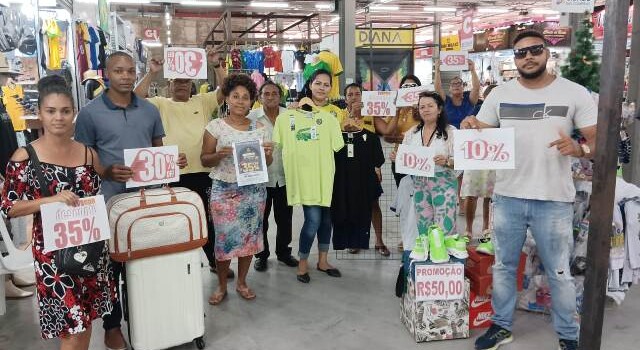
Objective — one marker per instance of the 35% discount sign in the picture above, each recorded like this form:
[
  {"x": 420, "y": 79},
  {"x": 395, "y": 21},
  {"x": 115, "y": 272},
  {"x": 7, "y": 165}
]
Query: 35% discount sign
[
  {"x": 488, "y": 149},
  {"x": 439, "y": 282},
  {"x": 64, "y": 226},
  {"x": 152, "y": 166},
  {"x": 379, "y": 103},
  {"x": 415, "y": 160},
  {"x": 185, "y": 63}
]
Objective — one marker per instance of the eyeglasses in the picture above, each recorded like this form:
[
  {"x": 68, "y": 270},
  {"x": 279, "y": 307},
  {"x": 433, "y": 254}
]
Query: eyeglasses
[
  {"x": 408, "y": 85},
  {"x": 536, "y": 50}
]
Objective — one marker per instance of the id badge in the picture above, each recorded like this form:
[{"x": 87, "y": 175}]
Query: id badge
[
  {"x": 292, "y": 123},
  {"x": 350, "y": 150},
  {"x": 314, "y": 133}
]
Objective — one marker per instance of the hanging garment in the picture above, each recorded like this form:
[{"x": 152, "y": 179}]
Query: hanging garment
[
  {"x": 336, "y": 69},
  {"x": 355, "y": 188},
  {"x": 53, "y": 37},
  {"x": 94, "y": 47},
  {"x": 8, "y": 140},
  {"x": 10, "y": 95},
  {"x": 82, "y": 58}
]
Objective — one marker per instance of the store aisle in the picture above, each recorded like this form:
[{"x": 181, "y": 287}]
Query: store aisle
[{"x": 357, "y": 311}]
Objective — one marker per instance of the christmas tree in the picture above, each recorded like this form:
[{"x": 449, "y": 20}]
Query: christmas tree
[{"x": 583, "y": 67}]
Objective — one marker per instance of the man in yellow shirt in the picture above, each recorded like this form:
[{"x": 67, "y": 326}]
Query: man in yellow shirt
[{"x": 184, "y": 118}]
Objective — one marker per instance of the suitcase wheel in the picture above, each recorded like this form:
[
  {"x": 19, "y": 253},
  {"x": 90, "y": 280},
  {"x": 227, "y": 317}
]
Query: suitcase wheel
[{"x": 199, "y": 343}]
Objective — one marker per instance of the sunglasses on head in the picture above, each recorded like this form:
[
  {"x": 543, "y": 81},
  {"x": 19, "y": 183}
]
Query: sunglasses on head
[
  {"x": 408, "y": 85},
  {"x": 536, "y": 50}
]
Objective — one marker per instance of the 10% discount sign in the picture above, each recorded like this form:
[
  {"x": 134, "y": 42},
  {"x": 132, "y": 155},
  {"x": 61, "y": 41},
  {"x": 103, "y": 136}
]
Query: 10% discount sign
[
  {"x": 64, "y": 226},
  {"x": 152, "y": 166},
  {"x": 488, "y": 149},
  {"x": 415, "y": 160},
  {"x": 439, "y": 282}
]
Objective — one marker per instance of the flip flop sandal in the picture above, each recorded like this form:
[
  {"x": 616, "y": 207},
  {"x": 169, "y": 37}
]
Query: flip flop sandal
[
  {"x": 217, "y": 298},
  {"x": 383, "y": 250},
  {"x": 246, "y": 294}
]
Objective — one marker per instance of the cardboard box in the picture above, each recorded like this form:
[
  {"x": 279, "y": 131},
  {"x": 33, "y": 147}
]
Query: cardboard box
[
  {"x": 481, "y": 264},
  {"x": 435, "y": 320},
  {"x": 483, "y": 284},
  {"x": 480, "y": 311}
]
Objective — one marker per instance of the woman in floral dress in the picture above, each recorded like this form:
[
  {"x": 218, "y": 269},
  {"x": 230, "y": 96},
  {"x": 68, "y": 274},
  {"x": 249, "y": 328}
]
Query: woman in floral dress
[
  {"x": 237, "y": 211},
  {"x": 68, "y": 304}
]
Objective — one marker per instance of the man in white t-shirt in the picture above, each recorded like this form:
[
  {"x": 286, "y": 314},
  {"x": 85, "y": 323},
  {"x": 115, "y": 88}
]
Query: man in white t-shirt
[{"x": 539, "y": 193}]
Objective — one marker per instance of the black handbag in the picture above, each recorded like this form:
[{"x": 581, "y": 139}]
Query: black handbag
[{"x": 81, "y": 260}]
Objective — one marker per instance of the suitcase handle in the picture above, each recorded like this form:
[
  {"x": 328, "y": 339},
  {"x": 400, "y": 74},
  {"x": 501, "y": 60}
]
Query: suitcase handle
[{"x": 143, "y": 196}]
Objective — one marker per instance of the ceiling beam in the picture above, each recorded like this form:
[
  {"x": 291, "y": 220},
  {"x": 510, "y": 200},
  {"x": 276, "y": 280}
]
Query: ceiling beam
[{"x": 249, "y": 30}]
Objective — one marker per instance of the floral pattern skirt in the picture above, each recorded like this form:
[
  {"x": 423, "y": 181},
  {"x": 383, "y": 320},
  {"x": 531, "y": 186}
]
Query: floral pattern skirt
[
  {"x": 436, "y": 201},
  {"x": 478, "y": 183},
  {"x": 237, "y": 218}
]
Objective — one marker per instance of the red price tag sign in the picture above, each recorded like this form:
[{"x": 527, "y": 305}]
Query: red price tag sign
[
  {"x": 439, "y": 282},
  {"x": 453, "y": 61},
  {"x": 408, "y": 97},
  {"x": 64, "y": 226},
  {"x": 415, "y": 160},
  {"x": 378, "y": 103},
  {"x": 488, "y": 149},
  {"x": 152, "y": 166},
  {"x": 185, "y": 63}
]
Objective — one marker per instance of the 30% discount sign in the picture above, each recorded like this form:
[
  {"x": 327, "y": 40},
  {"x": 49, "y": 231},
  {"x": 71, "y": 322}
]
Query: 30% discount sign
[
  {"x": 439, "y": 282},
  {"x": 64, "y": 226},
  {"x": 152, "y": 166},
  {"x": 378, "y": 103},
  {"x": 488, "y": 149},
  {"x": 185, "y": 63},
  {"x": 415, "y": 160}
]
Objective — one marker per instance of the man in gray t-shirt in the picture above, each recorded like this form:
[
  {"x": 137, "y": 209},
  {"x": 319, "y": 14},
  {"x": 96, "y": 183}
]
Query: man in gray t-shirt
[
  {"x": 538, "y": 194},
  {"x": 111, "y": 123}
]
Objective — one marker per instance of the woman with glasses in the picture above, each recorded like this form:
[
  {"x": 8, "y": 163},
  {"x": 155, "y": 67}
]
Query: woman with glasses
[{"x": 458, "y": 104}]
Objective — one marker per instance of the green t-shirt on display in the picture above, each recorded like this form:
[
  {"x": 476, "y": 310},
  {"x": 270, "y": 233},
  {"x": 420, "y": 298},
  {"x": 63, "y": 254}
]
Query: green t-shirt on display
[{"x": 308, "y": 141}]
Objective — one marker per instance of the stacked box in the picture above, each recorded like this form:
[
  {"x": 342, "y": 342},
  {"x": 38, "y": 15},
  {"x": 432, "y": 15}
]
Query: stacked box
[
  {"x": 435, "y": 320},
  {"x": 480, "y": 311},
  {"x": 478, "y": 269}
]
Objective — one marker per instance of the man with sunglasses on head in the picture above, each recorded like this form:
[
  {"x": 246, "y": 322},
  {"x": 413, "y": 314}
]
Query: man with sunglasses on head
[
  {"x": 459, "y": 103},
  {"x": 538, "y": 194}
]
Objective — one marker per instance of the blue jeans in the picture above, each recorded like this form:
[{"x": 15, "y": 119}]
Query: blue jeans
[
  {"x": 316, "y": 219},
  {"x": 550, "y": 223}
]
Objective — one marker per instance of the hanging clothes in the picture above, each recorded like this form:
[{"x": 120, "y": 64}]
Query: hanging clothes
[
  {"x": 8, "y": 140},
  {"x": 336, "y": 69},
  {"x": 355, "y": 188},
  {"x": 82, "y": 37},
  {"x": 10, "y": 95},
  {"x": 53, "y": 36}
]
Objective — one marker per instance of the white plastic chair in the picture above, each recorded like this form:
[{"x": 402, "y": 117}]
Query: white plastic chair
[{"x": 14, "y": 261}]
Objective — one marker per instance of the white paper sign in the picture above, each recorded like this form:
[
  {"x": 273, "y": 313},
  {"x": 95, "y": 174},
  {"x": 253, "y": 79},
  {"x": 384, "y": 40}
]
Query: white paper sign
[
  {"x": 486, "y": 149},
  {"x": 65, "y": 226},
  {"x": 415, "y": 160},
  {"x": 573, "y": 6},
  {"x": 185, "y": 63},
  {"x": 379, "y": 103},
  {"x": 408, "y": 97},
  {"x": 250, "y": 162},
  {"x": 439, "y": 282},
  {"x": 152, "y": 165},
  {"x": 453, "y": 61}
]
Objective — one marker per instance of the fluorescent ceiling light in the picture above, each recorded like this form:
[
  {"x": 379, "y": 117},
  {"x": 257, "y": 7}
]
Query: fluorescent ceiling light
[
  {"x": 269, "y": 4},
  {"x": 475, "y": 20},
  {"x": 130, "y": 1},
  {"x": 491, "y": 10},
  {"x": 152, "y": 43},
  {"x": 384, "y": 8},
  {"x": 544, "y": 12},
  {"x": 334, "y": 19},
  {"x": 439, "y": 9},
  {"x": 200, "y": 3},
  {"x": 552, "y": 18},
  {"x": 324, "y": 6}
]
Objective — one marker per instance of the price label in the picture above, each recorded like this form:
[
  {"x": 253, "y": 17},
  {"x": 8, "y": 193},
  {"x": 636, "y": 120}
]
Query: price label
[
  {"x": 250, "y": 162},
  {"x": 185, "y": 63},
  {"x": 379, "y": 103},
  {"x": 65, "y": 226},
  {"x": 453, "y": 61},
  {"x": 415, "y": 160},
  {"x": 489, "y": 149},
  {"x": 439, "y": 282},
  {"x": 152, "y": 166},
  {"x": 408, "y": 97}
]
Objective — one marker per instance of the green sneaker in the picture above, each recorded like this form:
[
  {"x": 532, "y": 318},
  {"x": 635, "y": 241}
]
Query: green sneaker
[
  {"x": 437, "y": 247},
  {"x": 485, "y": 246},
  {"x": 419, "y": 253},
  {"x": 456, "y": 246}
]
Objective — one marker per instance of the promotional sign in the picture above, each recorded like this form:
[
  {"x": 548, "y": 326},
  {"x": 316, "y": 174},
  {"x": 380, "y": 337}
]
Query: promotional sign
[
  {"x": 560, "y": 36},
  {"x": 572, "y": 6},
  {"x": 151, "y": 33},
  {"x": 415, "y": 160},
  {"x": 378, "y": 103},
  {"x": 408, "y": 97},
  {"x": 453, "y": 61},
  {"x": 466, "y": 31},
  {"x": 152, "y": 166},
  {"x": 450, "y": 43},
  {"x": 439, "y": 282},
  {"x": 486, "y": 149},
  {"x": 185, "y": 63},
  {"x": 250, "y": 162},
  {"x": 387, "y": 38},
  {"x": 64, "y": 226},
  {"x": 597, "y": 18},
  {"x": 498, "y": 39}
]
